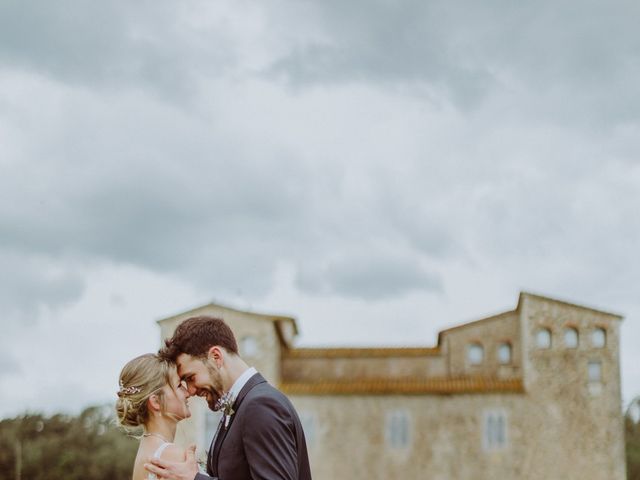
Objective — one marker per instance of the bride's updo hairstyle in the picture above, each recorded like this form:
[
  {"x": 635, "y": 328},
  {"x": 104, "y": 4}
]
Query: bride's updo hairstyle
[{"x": 139, "y": 379}]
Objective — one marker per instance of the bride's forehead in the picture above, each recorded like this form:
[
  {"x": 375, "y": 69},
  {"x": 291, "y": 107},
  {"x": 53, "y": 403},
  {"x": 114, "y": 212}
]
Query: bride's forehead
[{"x": 173, "y": 375}]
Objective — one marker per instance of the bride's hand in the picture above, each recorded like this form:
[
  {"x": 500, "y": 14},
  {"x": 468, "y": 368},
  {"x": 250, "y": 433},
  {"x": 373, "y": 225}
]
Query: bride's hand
[{"x": 186, "y": 470}]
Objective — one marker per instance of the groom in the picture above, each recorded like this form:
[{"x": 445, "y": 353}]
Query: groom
[{"x": 259, "y": 435}]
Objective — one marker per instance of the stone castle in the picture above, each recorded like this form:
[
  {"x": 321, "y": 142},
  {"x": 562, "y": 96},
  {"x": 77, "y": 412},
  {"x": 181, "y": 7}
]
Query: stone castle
[{"x": 531, "y": 393}]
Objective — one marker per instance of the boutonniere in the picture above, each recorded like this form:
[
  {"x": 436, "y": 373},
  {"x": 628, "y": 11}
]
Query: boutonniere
[{"x": 227, "y": 411}]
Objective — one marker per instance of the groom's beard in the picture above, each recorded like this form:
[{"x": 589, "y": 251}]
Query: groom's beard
[
  {"x": 210, "y": 396},
  {"x": 213, "y": 393}
]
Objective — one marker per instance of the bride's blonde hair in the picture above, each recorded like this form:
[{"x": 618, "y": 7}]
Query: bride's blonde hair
[{"x": 141, "y": 378}]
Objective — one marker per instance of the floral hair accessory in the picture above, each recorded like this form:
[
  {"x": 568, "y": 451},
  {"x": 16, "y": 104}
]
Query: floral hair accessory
[{"x": 128, "y": 390}]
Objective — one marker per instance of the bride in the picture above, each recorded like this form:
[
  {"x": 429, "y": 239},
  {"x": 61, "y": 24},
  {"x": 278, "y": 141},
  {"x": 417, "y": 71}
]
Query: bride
[{"x": 151, "y": 395}]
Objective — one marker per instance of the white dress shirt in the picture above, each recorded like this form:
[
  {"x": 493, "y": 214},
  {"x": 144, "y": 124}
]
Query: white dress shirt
[{"x": 241, "y": 382}]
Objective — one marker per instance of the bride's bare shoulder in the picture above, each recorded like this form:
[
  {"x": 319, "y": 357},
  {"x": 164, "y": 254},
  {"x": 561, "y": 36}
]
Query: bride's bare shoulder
[
  {"x": 174, "y": 453},
  {"x": 171, "y": 453},
  {"x": 146, "y": 450}
]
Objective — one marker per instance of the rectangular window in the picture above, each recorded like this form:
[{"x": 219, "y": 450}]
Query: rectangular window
[
  {"x": 595, "y": 371},
  {"x": 398, "y": 432},
  {"x": 494, "y": 433}
]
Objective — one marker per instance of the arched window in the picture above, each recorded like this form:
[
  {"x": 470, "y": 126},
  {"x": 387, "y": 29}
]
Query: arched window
[
  {"x": 571, "y": 337},
  {"x": 504, "y": 353},
  {"x": 475, "y": 354},
  {"x": 543, "y": 338},
  {"x": 599, "y": 337}
]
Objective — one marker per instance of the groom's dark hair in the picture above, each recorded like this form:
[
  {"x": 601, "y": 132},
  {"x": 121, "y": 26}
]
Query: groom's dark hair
[{"x": 196, "y": 335}]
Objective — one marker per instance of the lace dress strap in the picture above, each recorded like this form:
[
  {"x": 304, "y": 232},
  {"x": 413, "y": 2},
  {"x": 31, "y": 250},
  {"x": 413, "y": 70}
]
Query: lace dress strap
[{"x": 157, "y": 454}]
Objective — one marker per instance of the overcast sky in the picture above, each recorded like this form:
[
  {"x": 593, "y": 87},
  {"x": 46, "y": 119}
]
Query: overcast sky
[{"x": 379, "y": 170}]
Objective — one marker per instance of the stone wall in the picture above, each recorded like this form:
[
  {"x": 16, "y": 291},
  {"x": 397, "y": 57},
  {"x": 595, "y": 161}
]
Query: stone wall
[
  {"x": 489, "y": 333},
  {"x": 558, "y": 379},
  {"x": 348, "y": 439},
  {"x": 361, "y": 368}
]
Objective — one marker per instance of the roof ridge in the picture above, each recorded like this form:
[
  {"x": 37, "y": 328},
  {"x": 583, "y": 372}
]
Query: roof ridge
[
  {"x": 268, "y": 316},
  {"x": 564, "y": 302}
]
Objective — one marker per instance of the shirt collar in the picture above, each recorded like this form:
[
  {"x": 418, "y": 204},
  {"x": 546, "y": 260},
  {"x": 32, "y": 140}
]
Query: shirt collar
[{"x": 241, "y": 382}]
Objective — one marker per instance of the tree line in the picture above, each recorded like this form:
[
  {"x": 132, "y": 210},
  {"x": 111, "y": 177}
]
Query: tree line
[
  {"x": 86, "y": 446},
  {"x": 632, "y": 440}
]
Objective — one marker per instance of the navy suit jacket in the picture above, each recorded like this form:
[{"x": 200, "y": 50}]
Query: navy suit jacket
[{"x": 263, "y": 441}]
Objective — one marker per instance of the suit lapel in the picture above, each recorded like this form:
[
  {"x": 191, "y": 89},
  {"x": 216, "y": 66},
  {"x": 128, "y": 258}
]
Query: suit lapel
[
  {"x": 222, "y": 431},
  {"x": 252, "y": 382}
]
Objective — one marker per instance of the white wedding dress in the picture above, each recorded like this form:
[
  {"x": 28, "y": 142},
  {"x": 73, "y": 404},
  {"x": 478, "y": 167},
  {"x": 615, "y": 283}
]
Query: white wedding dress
[{"x": 158, "y": 452}]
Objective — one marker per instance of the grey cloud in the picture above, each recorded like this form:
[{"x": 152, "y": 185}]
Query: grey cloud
[
  {"x": 188, "y": 202},
  {"x": 560, "y": 236},
  {"x": 393, "y": 43},
  {"x": 34, "y": 282},
  {"x": 412, "y": 219},
  {"x": 164, "y": 224},
  {"x": 181, "y": 196},
  {"x": 550, "y": 59},
  {"x": 225, "y": 226},
  {"x": 115, "y": 43},
  {"x": 121, "y": 176},
  {"x": 8, "y": 365},
  {"x": 371, "y": 276}
]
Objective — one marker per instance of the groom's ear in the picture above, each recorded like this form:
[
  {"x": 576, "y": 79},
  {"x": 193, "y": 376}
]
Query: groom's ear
[{"x": 216, "y": 354}]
